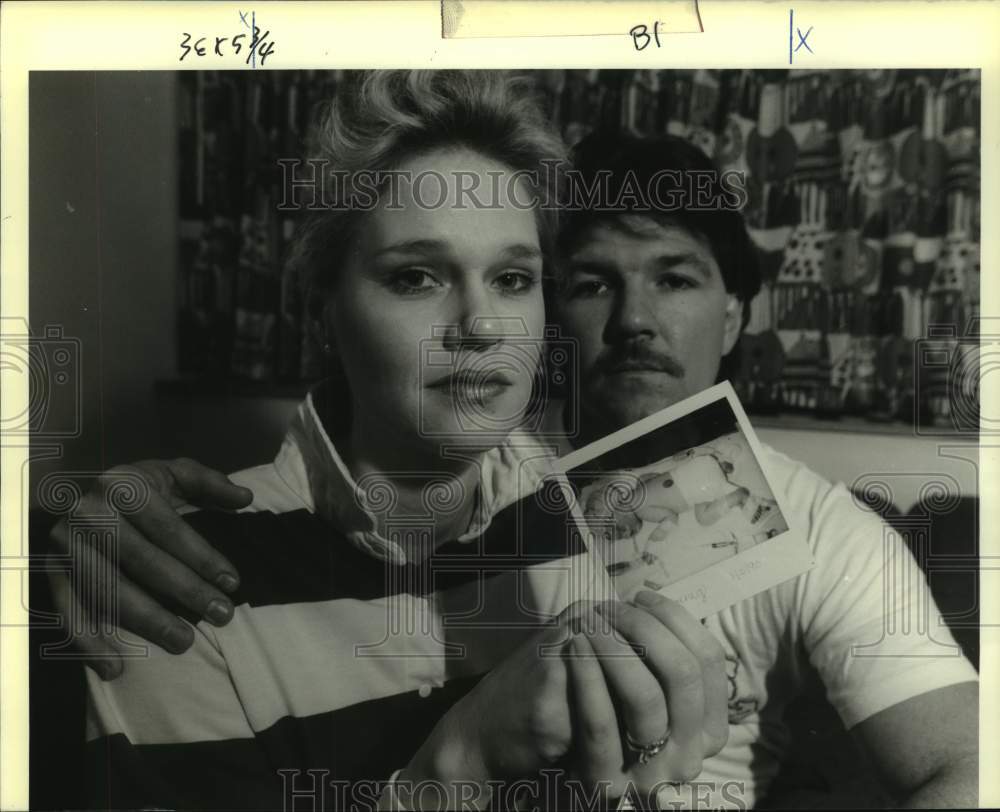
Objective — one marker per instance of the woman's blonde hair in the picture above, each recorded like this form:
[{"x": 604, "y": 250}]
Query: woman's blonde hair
[{"x": 378, "y": 119}]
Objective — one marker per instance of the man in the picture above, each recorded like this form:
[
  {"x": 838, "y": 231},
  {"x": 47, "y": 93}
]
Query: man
[{"x": 656, "y": 301}]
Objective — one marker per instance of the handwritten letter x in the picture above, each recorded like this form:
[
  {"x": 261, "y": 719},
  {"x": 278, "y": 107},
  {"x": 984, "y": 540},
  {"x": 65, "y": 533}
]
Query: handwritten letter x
[{"x": 803, "y": 38}]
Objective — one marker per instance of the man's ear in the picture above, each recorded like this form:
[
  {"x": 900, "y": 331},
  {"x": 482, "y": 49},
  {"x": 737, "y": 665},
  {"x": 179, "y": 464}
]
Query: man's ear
[{"x": 733, "y": 324}]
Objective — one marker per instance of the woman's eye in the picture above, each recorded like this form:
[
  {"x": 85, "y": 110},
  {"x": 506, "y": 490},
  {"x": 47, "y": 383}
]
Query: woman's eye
[
  {"x": 515, "y": 281},
  {"x": 412, "y": 280}
]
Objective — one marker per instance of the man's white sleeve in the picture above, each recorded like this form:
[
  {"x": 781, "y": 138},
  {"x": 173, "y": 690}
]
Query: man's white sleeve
[{"x": 867, "y": 617}]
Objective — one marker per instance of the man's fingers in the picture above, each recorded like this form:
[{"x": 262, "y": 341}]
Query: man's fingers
[
  {"x": 638, "y": 695},
  {"x": 113, "y": 600},
  {"x": 160, "y": 525},
  {"x": 206, "y": 487},
  {"x": 142, "y": 615},
  {"x": 95, "y": 650},
  {"x": 710, "y": 655},
  {"x": 597, "y": 740},
  {"x": 163, "y": 554},
  {"x": 99, "y": 652},
  {"x": 157, "y": 548},
  {"x": 100, "y": 655},
  {"x": 164, "y": 574}
]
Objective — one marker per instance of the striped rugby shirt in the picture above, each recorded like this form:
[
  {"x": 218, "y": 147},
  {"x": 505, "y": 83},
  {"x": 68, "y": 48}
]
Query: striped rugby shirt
[{"x": 341, "y": 655}]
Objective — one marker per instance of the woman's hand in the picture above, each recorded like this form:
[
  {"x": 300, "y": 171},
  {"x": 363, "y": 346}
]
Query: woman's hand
[
  {"x": 662, "y": 677},
  {"x": 572, "y": 694},
  {"x": 159, "y": 556},
  {"x": 515, "y": 722}
]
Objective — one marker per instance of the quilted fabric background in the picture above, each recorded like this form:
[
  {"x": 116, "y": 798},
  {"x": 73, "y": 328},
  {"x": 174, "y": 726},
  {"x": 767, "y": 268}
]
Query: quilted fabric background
[{"x": 862, "y": 198}]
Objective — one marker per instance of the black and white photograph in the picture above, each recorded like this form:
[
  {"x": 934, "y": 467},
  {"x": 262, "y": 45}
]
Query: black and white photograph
[
  {"x": 666, "y": 500},
  {"x": 475, "y": 437}
]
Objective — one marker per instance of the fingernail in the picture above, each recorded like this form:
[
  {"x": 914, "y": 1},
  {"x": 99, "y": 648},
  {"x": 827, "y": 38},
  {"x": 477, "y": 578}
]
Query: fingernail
[
  {"x": 219, "y": 612},
  {"x": 648, "y": 598},
  {"x": 606, "y": 608},
  {"x": 177, "y": 639},
  {"x": 105, "y": 670},
  {"x": 227, "y": 582}
]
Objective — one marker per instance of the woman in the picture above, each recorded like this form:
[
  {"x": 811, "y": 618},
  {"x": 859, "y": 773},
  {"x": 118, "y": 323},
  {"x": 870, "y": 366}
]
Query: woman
[{"x": 339, "y": 666}]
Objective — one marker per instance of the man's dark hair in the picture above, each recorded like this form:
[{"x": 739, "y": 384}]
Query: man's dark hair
[{"x": 616, "y": 163}]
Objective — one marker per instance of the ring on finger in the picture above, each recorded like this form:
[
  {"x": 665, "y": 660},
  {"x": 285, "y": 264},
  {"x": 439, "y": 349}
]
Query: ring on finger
[{"x": 645, "y": 752}]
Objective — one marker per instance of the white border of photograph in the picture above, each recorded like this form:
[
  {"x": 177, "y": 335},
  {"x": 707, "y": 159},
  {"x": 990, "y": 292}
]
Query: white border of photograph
[{"x": 746, "y": 574}]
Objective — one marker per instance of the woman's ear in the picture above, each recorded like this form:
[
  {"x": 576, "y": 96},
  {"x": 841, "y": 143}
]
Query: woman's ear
[
  {"x": 317, "y": 332},
  {"x": 319, "y": 325},
  {"x": 733, "y": 324},
  {"x": 321, "y": 332}
]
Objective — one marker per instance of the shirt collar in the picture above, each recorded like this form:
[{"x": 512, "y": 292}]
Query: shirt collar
[{"x": 310, "y": 463}]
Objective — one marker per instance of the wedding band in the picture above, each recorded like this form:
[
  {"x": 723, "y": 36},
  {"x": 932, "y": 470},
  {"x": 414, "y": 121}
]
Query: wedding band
[{"x": 646, "y": 751}]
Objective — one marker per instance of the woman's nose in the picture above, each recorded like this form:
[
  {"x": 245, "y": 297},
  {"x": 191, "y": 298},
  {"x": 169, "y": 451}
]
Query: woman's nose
[
  {"x": 479, "y": 325},
  {"x": 477, "y": 331}
]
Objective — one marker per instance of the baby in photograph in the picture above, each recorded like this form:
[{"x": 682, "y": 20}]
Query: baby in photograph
[{"x": 657, "y": 524}]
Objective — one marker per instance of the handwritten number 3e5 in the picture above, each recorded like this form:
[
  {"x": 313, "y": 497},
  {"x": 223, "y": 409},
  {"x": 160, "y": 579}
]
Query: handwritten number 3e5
[{"x": 257, "y": 44}]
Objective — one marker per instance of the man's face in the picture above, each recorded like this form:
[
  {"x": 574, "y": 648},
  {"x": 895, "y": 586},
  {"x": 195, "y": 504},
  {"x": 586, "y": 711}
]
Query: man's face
[{"x": 650, "y": 312}]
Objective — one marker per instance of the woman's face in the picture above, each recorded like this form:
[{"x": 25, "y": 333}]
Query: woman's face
[{"x": 437, "y": 314}]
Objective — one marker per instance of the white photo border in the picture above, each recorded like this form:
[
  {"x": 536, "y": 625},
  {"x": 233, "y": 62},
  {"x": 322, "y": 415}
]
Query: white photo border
[{"x": 731, "y": 580}]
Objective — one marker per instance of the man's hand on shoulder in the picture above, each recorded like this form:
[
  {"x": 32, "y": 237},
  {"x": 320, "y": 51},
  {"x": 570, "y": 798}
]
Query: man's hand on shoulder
[{"x": 159, "y": 557}]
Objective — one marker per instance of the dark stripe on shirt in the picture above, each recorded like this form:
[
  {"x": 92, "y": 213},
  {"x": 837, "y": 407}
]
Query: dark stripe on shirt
[
  {"x": 297, "y": 557},
  {"x": 365, "y": 742}
]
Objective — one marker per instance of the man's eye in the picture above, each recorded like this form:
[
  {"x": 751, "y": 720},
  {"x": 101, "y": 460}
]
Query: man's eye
[
  {"x": 515, "y": 281},
  {"x": 412, "y": 280},
  {"x": 676, "y": 282},
  {"x": 585, "y": 288}
]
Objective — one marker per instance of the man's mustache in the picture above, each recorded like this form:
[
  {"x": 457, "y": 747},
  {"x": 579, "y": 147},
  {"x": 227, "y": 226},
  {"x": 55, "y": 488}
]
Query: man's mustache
[{"x": 637, "y": 357}]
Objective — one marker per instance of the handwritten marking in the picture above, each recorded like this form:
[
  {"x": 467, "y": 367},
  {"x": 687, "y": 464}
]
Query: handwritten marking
[
  {"x": 746, "y": 569},
  {"x": 802, "y": 39},
  {"x": 792, "y": 30},
  {"x": 791, "y": 17},
  {"x": 641, "y": 30},
  {"x": 699, "y": 594},
  {"x": 253, "y": 28},
  {"x": 259, "y": 45}
]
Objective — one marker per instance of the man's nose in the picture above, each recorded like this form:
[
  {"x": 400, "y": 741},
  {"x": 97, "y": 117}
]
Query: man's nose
[{"x": 633, "y": 315}]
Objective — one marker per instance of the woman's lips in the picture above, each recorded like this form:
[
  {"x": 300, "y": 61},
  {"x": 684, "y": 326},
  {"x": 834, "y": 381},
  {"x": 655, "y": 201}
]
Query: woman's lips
[{"x": 473, "y": 387}]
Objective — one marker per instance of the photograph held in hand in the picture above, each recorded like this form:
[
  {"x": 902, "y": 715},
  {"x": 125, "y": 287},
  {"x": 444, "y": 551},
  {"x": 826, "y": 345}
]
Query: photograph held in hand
[
  {"x": 678, "y": 503},
  {"x": 516, "y": 541}
]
